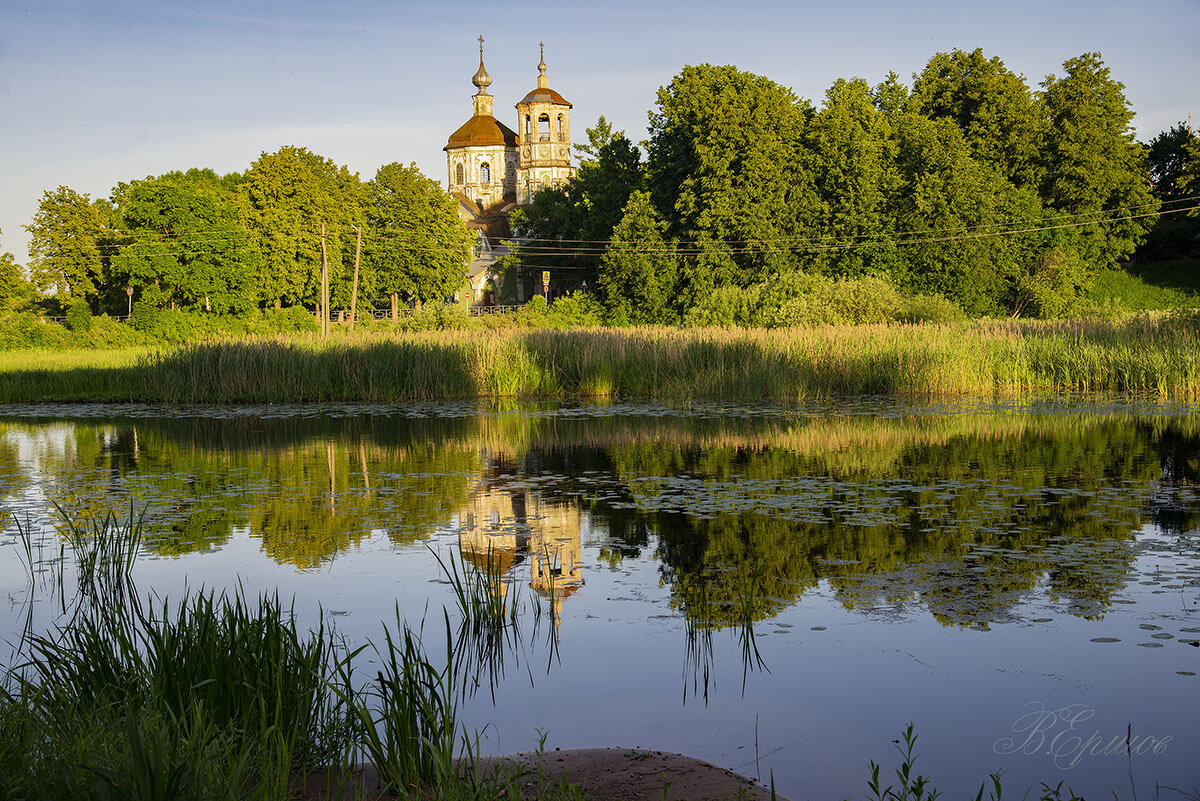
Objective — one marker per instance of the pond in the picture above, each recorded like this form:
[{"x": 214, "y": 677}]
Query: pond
[{"x": 777, "y": 590}]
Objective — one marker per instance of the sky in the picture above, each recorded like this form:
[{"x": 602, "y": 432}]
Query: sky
[{"x": 94, "y": 93}]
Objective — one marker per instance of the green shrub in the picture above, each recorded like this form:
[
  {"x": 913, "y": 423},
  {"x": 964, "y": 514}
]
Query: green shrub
[
  {"x": 576, "y": 309},
  {"x": 931, "y": 309},
  {"x": 79, "y": 316},
  {"x": 725, "y": 306},
  {"x": 293, "y": 319}
]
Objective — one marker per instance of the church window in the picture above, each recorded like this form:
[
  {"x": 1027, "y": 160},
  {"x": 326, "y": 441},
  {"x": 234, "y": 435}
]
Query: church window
[
  {"x": 485, "y": 173},
  {"x": 458, "y": 173},
  {"x": 512, "y": 172},
  {"x": 528, "y": 131},
  {"x": 544, "y": 128},
  {"x": 560, "y": 130}
]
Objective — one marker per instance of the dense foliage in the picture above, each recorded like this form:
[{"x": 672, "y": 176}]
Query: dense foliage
[
  {"x": 968, "y": 186},
  {"x": 198, "y": 241},
  {"x": 966, "y": 192}
]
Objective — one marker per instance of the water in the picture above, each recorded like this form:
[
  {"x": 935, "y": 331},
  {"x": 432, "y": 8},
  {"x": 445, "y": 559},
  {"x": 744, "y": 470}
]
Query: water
[{"x": 775, "y": 590}]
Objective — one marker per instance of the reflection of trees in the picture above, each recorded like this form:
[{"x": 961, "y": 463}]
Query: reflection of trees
[
  {"x": 968, "y": 524},
  {"x": 307, "y": 494},
  {"x": 956, "y": 510}
]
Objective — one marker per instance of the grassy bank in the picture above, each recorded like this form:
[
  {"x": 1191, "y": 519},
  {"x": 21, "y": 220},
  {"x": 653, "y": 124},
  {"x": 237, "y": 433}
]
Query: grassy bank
[
  {"x": 1156, "y": 355},
  {"x": 227, "y": 697}
]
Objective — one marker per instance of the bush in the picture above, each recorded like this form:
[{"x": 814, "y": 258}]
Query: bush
[
  {"x": 931, "y": 309},
  {"x": 79, "y": 316},
  {"x": 725, "y": 306},
  {"x": 293, "y": 319},
  {"x": 576, "y": 309}
]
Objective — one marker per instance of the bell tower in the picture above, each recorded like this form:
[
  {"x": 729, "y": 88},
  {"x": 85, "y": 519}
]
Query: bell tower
[{"x": 544, "y": 138}]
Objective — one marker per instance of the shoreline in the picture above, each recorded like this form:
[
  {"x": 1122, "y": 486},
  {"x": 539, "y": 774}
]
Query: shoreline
[{"x": 602, "y": 774}]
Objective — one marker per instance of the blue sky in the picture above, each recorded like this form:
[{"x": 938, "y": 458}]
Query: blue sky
[{"x": 96, "y": 93}]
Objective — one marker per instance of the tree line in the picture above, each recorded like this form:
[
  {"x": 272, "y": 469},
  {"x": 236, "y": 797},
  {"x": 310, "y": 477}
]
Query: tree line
[
  {"x": 965, "y": 187},
  {"x": 967, "y": 184},
  {"x": 197, "y": 240}
]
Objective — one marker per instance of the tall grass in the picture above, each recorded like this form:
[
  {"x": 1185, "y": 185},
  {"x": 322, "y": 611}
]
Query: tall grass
[
  {"x": 1147, "y": 354},
  {"x": 221, "y": 696}
]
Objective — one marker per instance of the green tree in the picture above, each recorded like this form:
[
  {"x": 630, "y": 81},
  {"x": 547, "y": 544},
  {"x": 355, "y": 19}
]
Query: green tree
[
  {"x": 284, "y": 198},
  {"x": 1092, "y": 163},
  {"x": 598, "y": 136},
  {"x": 566, "y": 226},
  {"x": 414, "y": 245},
  {"x": 638, "y": 271},
  {"x": 854, "y": 166},
  {"x": 891, "y": 96},
  {"x": 952, "y": 210},
  {"x": 66, "y": 238},
  {"x": 1167, "y": 157},
  {"x": 1000, "y": 117},
  {"x": 14, "y": 289},
  {"x": 728, "y": 170},
  {"x": 184, "y": 237}
]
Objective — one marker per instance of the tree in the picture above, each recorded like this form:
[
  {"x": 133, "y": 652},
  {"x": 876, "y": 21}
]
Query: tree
[
  {"x": 1092, "y": 164},
  {"x": 854, "y": 167},
  {"x": 728, "y": 171},
  {"x": 638, "y": 271},
  {"x": 415, "y": 245},
  {"x": 13, "y": 286},
  {"x": 283, "y": 200},
  {"x": 598, "y": 136},
  {"x": 952, "y": 210},
  {"x": 567, "y": 225},
  {"x": 65, "y": 245},
  {"x": 1167, "y": 157},
  {"x": 185, "y": 239},
  {"x": 999, "y": 116}
]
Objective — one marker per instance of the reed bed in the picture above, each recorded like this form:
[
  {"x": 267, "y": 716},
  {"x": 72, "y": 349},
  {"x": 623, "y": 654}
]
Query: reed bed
[{"x": 1159, "y": 356}]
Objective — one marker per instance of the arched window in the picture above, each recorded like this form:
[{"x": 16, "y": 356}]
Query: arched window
[
  {"x": 512, "y": 172},
  {"x": 560, "y": 130},
  {"x": 458, "y": 174},
  {"x": 544, "y": 128},
  {"x": 528, "y": 130},
  {"x": 485, "y": 173}
]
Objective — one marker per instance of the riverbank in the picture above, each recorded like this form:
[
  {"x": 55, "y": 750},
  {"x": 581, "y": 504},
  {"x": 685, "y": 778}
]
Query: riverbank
[
  {"x": 1155, "y": 355},
  {"x": 594, "y": 774}
]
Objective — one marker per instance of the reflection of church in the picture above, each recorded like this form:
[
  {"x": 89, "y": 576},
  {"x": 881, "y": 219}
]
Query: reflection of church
[
  {"x": 514, "y": 525},
  {"x": 492, "y": 169}
]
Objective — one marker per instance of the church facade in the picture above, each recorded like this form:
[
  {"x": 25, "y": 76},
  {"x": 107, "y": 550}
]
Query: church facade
[
  {"x": 490, "y": 164},
  {"x": 492, "y": 169}
]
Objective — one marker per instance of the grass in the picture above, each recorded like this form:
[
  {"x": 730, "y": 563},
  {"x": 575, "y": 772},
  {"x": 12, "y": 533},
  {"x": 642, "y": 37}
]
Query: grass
[
  {"x": 1147, "y": 291},
  {"x": 220, "y": 696},
  {"x": 1159, "y": 355}
]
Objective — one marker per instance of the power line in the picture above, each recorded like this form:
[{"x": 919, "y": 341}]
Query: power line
[{"x": 259, "y": 243}]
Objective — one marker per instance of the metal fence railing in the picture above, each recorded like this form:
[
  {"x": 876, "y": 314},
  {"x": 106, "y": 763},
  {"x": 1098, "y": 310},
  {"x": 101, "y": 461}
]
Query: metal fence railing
[{"x": 340, "y": 315}]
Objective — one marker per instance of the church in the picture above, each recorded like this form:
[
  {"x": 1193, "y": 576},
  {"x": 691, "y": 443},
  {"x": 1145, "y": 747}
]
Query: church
[{"x": 492, "y": 169}]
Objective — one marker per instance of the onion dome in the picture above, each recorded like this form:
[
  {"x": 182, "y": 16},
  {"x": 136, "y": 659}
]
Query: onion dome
[{"x": 481, "y": 79}]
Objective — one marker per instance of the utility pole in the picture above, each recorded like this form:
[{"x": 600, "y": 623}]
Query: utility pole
[
  {"x": 354, "y": 287},
  {"x": 324, "y": 287}
]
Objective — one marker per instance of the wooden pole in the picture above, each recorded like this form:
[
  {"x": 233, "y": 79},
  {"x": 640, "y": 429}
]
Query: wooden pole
[
  {"x": 324, "y": 286},
  {"x": 354, "y": 287}
]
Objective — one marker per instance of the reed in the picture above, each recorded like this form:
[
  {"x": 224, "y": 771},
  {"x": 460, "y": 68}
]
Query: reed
[
  {"x": 220, "y": 696},
  {"x": 1158, "y": 355}
]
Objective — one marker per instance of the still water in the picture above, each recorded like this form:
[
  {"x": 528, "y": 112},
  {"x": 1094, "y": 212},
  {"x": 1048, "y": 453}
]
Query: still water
[{"x": 775, "y": 590}]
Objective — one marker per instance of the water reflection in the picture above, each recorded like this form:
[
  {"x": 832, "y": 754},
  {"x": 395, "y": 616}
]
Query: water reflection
[{"x": 963, "y": 515}]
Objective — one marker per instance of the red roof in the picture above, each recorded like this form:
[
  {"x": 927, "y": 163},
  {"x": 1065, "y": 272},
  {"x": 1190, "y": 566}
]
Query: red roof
[
  {"x": 482, "y": 131},
  {"x": 547, "y": 95}
]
